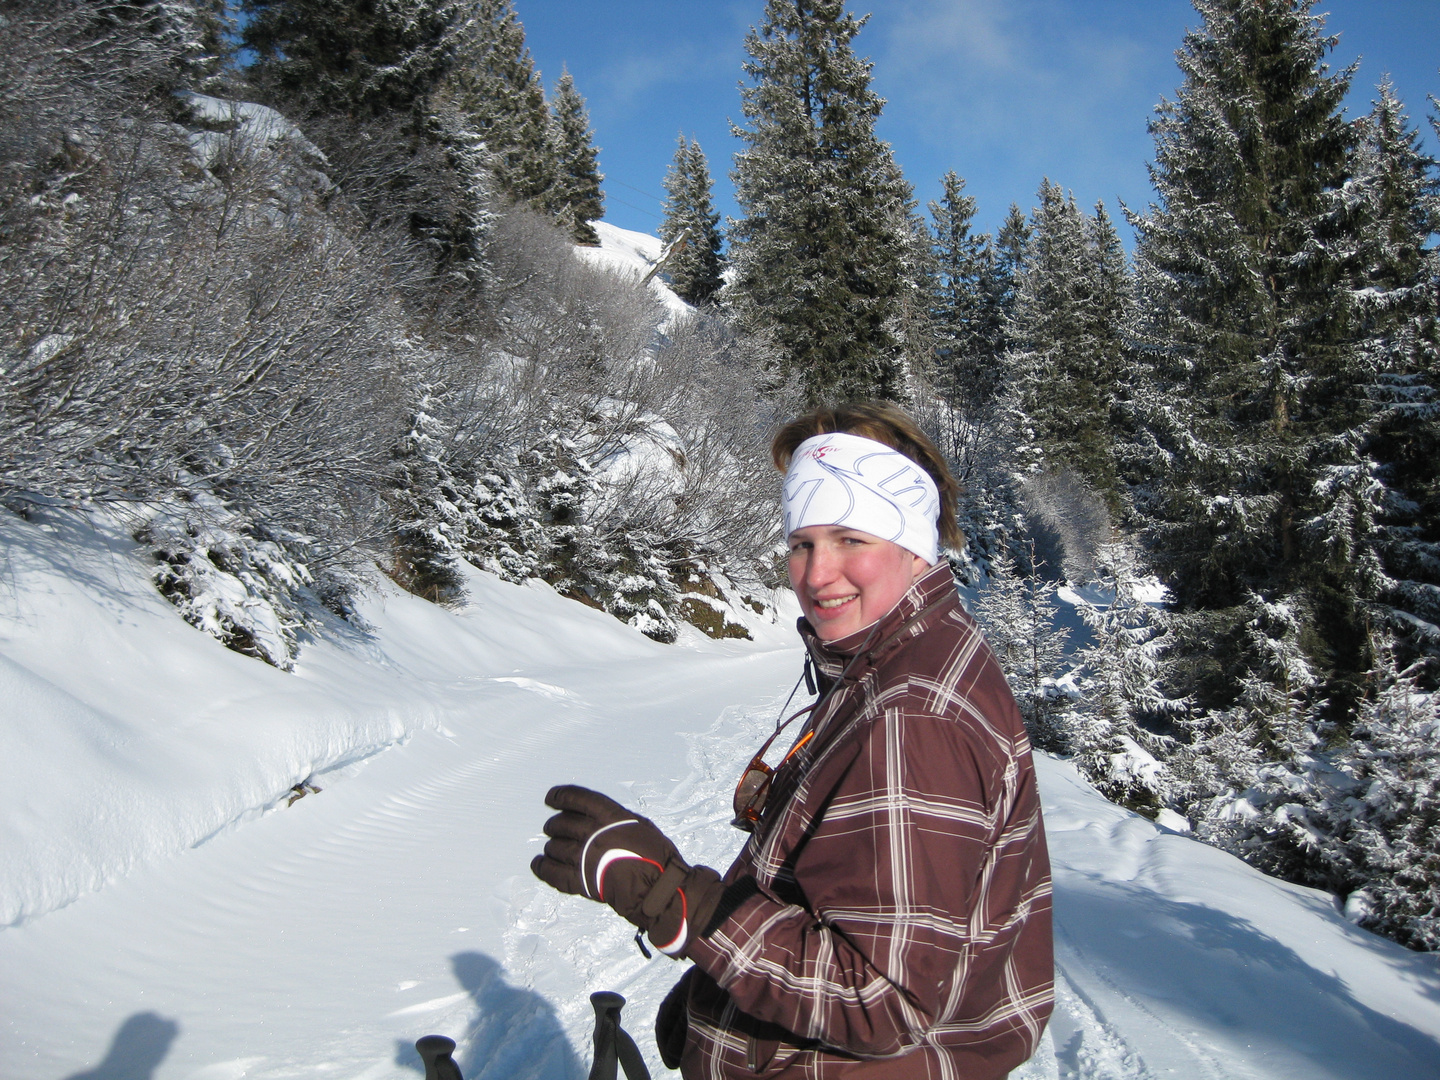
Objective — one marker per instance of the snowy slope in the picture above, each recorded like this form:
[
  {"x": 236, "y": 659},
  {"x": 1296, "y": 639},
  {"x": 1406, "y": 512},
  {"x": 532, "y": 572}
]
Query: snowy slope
[
  {"x": 202, "y": 936},
  {"x": 632, "y": 253}
]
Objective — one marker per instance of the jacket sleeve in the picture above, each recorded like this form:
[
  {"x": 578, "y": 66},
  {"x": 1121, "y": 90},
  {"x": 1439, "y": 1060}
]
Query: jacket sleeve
[{"x": 903, "y": 878}]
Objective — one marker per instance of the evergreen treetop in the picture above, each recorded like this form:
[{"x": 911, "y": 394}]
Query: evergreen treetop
[
  {"x": 694, "y": 269},
  {"x": 819, "y": 255},
  {"x": 575, "y": 198},
  {"x": 1395, "y": 303},
  {"x": 965, "y": 303},
  {"x": 494, "y": 84},
  {"x": 1066, "y": 358}
]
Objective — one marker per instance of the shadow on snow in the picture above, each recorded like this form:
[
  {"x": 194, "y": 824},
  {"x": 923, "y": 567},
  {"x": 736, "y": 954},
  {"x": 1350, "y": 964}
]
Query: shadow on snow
[
  {"x": 139, "y": 1046},
  {"x": 515, "y": 1034}
]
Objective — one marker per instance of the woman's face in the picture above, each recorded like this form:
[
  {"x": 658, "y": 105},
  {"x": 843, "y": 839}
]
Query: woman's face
[{"x": 846, "y": 579}]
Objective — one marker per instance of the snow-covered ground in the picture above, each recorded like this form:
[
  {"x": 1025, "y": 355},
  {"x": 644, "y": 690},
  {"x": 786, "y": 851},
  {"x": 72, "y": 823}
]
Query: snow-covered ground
[
  {"x": 632, "y": 253},
  {"x": 170, "y": 916}
]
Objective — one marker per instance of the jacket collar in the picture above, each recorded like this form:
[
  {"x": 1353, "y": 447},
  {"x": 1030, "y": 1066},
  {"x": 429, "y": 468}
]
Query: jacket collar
[{"x": 932, "y": 592}]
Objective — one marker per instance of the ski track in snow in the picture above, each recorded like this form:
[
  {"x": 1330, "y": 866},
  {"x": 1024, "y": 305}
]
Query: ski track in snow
[
  {"x": 323, "y": 938},
  {"x": 555, "y": 941}
]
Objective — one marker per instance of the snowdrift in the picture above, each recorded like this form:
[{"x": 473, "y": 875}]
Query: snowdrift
[{"x": 170, "y": 914}]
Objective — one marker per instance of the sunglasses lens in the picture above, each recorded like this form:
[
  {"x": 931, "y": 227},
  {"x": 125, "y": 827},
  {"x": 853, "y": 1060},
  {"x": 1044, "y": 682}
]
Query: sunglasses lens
[
  {"x": 750, "y": 795},
  {"x": 750, "y": 785}
]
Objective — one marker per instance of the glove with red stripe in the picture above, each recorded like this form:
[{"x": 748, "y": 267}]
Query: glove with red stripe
[{"x": 599, "y": 849}]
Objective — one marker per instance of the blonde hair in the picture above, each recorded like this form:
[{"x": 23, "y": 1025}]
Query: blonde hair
[{"x": 885, "y": 423}]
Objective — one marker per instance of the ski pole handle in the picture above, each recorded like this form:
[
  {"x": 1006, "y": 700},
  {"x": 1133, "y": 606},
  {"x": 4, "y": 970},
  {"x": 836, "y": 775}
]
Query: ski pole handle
[
  {"x": 435, "y": 1051},
  {"x": 613, "y": 1044}
]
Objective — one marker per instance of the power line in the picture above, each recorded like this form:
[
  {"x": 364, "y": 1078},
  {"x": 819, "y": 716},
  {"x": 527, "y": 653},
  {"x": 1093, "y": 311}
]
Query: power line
[
  {"x": 642, "y": 191},
  {"x": 632, "y": 206}
]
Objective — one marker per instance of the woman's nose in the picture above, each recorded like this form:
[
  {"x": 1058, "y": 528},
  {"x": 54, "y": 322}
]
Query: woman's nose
[{"x": 820, "y": 568}]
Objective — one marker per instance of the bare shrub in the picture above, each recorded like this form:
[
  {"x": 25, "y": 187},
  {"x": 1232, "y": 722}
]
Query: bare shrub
[{"x": 1069, "y": 522}]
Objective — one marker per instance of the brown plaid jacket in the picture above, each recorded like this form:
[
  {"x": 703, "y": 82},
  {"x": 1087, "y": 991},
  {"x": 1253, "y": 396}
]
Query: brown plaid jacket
[{"x": 890, "y": 917}]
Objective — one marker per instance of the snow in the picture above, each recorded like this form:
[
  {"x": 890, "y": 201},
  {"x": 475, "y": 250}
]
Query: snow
[
  {"x": 171, "y": 915},
  {"x": 253, "y": 125},
  {"x": 633, "y": 253}
]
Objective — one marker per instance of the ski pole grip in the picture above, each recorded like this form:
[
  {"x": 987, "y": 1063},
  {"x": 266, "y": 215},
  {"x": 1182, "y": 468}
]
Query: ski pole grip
[
  {"x": 613, "y": 1045},
  {"x": 435, "y": 1051}
]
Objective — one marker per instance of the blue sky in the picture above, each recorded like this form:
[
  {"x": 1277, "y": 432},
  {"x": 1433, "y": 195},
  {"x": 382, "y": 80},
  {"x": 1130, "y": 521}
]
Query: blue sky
[{"x": 1005, "y": 92}]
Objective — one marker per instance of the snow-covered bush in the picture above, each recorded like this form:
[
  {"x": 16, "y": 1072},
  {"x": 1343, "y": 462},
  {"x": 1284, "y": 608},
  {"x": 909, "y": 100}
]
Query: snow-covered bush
[
  {"x": 170, "y": 330},
  {"x": 246, "y": 591},
  {"x": 1120, "y": 742},
  {"x": 1387, "y": 822},
  {"x": 1017, "y": 612},
  {"x": 593, "y": 438}
]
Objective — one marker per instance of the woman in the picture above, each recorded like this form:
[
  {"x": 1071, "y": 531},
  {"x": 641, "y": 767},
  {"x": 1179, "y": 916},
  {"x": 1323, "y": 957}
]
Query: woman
[{"x": 890, "y": 915}]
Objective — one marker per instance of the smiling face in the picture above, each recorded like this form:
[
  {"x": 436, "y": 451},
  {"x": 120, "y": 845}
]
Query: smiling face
[{"x": 846, "y": 579}]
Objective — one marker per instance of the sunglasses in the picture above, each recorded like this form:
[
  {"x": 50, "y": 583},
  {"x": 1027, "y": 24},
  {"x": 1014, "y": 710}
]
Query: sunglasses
[{"x": 754, "y": 786}]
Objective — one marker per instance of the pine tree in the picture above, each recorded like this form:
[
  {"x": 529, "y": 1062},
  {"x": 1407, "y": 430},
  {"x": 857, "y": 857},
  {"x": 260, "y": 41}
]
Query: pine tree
[
  {"x": 1123, "y": 692},
  {"x": 913, "y": 324},
  {"x": 1248, "y": 771},
  {"x": 1387, "y": 824},
  {"x": 575, "y": 198},
  {"x": 1242, "y": 266},
  {"x": 1018, "y": 610},
  {"x": 369, "y": 82},
  {"x": 426, "y": 518},
  {"x": 1065, "y": 353},
  {"x": 360, "y": 60},
  {"x": 495, "y": 87},
  {"x": 1396, "y": 305},
  {"x": 965, "y": 308},
  {"x": 1012, "y": 248},
  {"x": 694, "y": 268},
  {"x": 819, "y": 256}
]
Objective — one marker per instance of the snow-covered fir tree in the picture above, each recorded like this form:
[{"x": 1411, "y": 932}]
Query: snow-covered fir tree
[
  {"x": 966, "y": 304},
  {"x": 694, "y": 266},
  {"x": 1017, "y": 609},
  {"x": 574, "y": 199},
  {"x": 495, "y": 86},
  {"x": 1108, "y": 318},
  {"x": 1248, "y": 341},
  {"x": 1065, "y": 357},
  {"x": 425, "y": 512},
  {"x": 360, "y": 60},
  {"x": 820, "y": 252},
  {"x": 1124, "y": 703},
  {"x": 1395, "y": 301},
  {"x": 1248, "y": 773},
  {"x": 1012, "y": 247},
  {"x": 1386, "y": 824}
]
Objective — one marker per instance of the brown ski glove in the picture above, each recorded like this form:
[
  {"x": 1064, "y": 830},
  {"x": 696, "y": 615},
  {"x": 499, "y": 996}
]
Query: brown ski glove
[{"x": 599, "y": 849}]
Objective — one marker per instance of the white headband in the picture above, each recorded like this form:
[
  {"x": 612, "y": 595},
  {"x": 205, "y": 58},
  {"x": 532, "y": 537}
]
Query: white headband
[{"x": 843, "y": 479}]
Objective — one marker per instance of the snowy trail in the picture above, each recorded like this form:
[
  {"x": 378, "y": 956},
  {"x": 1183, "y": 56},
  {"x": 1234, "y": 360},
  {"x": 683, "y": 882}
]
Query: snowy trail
[
  {"x": 323, "y": 938},
  {"x": 1177, "y": 960},
  {"x": 1173, "y": 959}
]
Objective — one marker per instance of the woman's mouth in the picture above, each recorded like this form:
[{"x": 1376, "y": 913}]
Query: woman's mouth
[{"x": 834, "y": 602}]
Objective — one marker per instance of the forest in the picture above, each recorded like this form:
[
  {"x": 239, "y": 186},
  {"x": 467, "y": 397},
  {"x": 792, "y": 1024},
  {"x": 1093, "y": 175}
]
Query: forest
[{"x": 292, "y": 289}]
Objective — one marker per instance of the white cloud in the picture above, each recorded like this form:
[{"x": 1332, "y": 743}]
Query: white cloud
[
  {"x": 982, "y": 34},
  {"x": 673, "y": 56},
  {"x": 1033, "y": 87}
]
